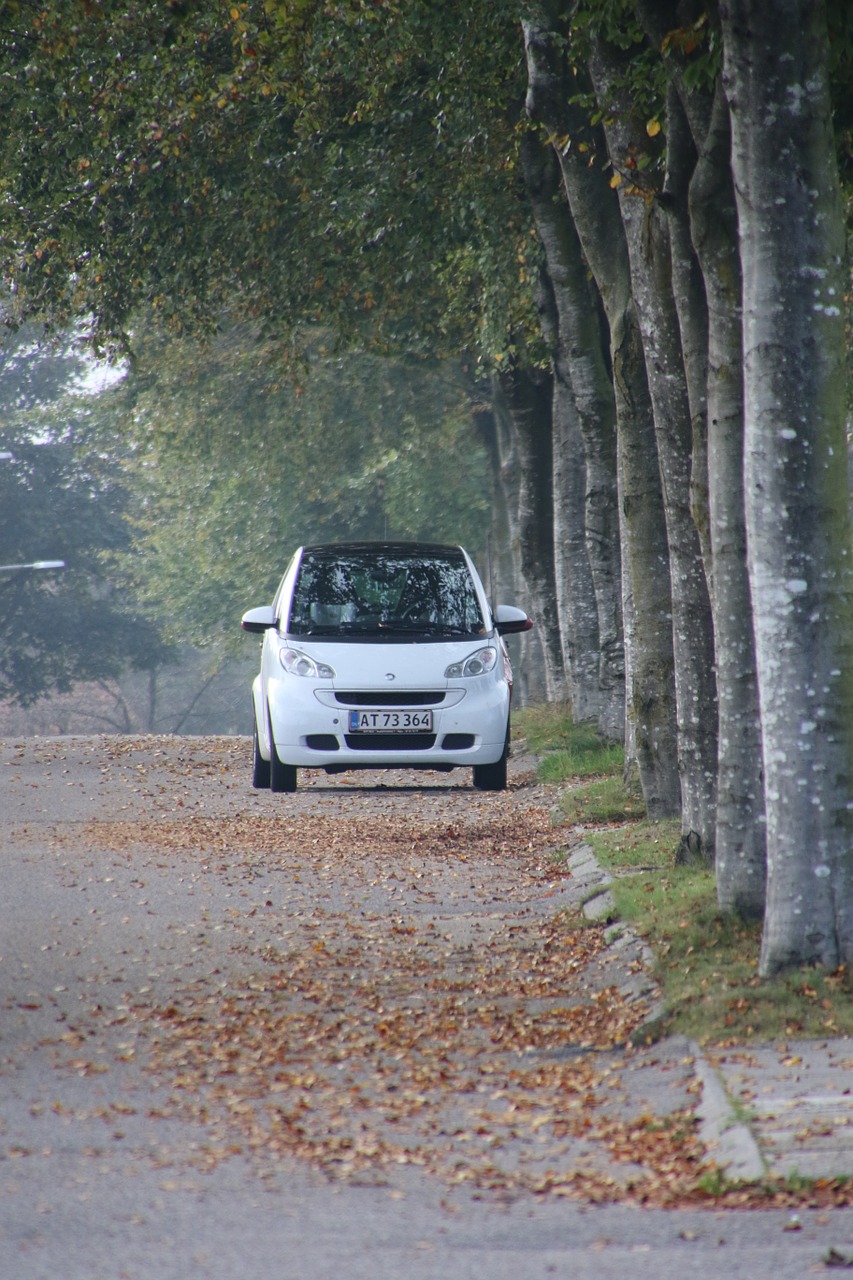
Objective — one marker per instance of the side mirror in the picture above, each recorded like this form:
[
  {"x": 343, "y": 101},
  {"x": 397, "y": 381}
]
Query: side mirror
[
  {"x": 508, "y": 620},
  {"x": 258, "y": 619}
]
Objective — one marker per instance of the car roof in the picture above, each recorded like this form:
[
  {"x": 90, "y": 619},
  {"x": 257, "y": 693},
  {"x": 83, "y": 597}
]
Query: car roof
[{"x": 424, "y": 549}]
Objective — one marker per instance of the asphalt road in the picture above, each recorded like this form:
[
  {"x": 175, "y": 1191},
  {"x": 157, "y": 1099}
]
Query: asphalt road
[{"x": 165, "y": 930}]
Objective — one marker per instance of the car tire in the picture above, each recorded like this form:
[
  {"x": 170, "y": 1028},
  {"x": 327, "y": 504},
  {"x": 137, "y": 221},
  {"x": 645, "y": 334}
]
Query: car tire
[
  {"x": 261, "y": 769},
  {"x": 282, "y": 776},
  {"x": 492, "y": 777}
]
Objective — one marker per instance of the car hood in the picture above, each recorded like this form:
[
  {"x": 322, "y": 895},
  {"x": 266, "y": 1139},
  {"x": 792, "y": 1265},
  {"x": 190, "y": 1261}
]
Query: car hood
[{"x": 392, "y": 666}]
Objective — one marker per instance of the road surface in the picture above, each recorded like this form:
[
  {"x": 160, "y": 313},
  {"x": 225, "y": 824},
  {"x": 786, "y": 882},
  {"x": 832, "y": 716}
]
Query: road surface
[{"x": 353, "y": 1032}]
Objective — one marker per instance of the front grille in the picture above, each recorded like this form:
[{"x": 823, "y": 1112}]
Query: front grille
[
  {"x": 390, "y": 741},
  {"x": 384, "y": 698}
]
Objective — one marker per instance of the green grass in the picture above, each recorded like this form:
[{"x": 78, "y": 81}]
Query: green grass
[
  {"x": 581, "y": 762},
  {"x": 706, "y": 965},
  {"x": 603, "y": 800},
  {"x": 569, "y": 750},
  {"x": 547, "y": 727},
  {"x": 636, "y": 843}
]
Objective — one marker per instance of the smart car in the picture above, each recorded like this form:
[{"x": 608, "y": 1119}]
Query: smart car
[{"x": 378, "y": 656}]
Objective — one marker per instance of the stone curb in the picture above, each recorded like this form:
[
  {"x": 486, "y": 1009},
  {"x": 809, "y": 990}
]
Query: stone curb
[
  {"x": 727, "y": 1140},
  {"x": 585, "y": 869},
  {"x": 724, "y": 1135}
]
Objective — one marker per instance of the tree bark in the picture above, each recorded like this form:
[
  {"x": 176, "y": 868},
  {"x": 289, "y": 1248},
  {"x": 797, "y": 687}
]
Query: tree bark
[
  {"x": 798, "y": 525},
  {"x": 649, "y": 253},
  {"x": 691, "y": 307},
  {"x": 741, "y": 849},
  {"x": 503, "y": 572},
  {"x": 523, "y": 397},
  {"x": 740, "y": 845},
  {"x": 586, "y": 514},
  {"x": 645, "y": 569}
]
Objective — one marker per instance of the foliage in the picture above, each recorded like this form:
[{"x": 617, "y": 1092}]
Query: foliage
[
  {"x": 63, "y": 498},
  {"x": 35, "y": 371},
  {"x": 238, "y": 467},
  {"x": 263, "y": 167},
  {"x": 290, "y": 162},
  {"x": 114, "y": 154}
]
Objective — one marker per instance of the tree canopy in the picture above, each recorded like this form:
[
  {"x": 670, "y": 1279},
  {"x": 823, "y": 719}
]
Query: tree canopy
[{"x": 332, "y": 163}]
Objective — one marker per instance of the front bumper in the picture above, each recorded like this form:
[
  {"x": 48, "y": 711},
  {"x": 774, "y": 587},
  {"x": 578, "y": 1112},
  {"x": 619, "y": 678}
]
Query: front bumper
[{"x": 310, "y": 725}]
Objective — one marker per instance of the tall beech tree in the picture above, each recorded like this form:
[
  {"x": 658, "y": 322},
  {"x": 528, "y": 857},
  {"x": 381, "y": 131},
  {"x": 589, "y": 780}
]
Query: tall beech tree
[
  {"x": 792, "y": 239},
  {"x": 712, "y": 314},
  {"x": 649, "y": 249},
  {"x": 646, "y": 579},
  {"x": 586, "y": 515}
]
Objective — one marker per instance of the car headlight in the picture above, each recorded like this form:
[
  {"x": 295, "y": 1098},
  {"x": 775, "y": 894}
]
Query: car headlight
[
  {"x": 297, "y": 663},
  {"x": 477, "y": 664}
]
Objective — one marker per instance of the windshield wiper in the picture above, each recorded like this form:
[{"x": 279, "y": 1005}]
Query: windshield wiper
[
  {"x": 391, "y": 627},
  {"x": 424, "y": 628},
  {"x": 334, "y": 629}
]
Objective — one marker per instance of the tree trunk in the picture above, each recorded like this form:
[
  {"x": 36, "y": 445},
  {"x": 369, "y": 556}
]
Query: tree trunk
[
  {"x": 501, "y": 577},
  {"x": 740, "y": 836},
  {"x": 740, "y": 845},
  {"x": 691, "y": 307},
  {"x": 586, "y": 514},
  {"x": 645, "y": 569},
  {"x": 647, "y": 236},
  {"x": 798, "y": 526},
  {"x": 504, "y": 582},
  {"x": 523, "y": 396}
]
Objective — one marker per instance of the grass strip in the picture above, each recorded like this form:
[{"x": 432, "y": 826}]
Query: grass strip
[{"x": 706, "y": 964}]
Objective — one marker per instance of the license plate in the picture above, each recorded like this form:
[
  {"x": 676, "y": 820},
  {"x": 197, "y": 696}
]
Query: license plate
[{"x": 396, "y": 721}]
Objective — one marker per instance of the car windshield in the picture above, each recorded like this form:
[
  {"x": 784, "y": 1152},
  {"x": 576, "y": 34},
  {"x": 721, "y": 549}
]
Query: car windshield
[{"x": 389, "y": 594}]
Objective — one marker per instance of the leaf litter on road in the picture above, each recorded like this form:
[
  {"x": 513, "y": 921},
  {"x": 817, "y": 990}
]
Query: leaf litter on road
[
  {"x": 422, "y": 1004},
  {"x": 405, "y": 991}
]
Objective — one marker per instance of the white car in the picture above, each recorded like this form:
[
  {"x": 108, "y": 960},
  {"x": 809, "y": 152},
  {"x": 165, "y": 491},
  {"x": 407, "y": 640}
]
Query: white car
[{"x": 382, "y": 655}]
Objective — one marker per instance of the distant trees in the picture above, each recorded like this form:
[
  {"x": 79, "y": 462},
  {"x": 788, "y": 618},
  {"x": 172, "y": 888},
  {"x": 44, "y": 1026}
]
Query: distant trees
[
  {"x": 62, "y": 497},
  {"x": 189, "y": 693},
  {"x": 234, "y": 465},
  {"x": 626, "y": 217},
  {"x": 177, "y": 496}
]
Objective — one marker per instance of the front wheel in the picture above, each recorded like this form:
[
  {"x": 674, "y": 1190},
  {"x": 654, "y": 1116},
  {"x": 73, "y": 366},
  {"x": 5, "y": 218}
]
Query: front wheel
[
  {"x": 260, "y": 767},
  {"x": 492, "y": 777},
  {"x": 282, "y": 776}
]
